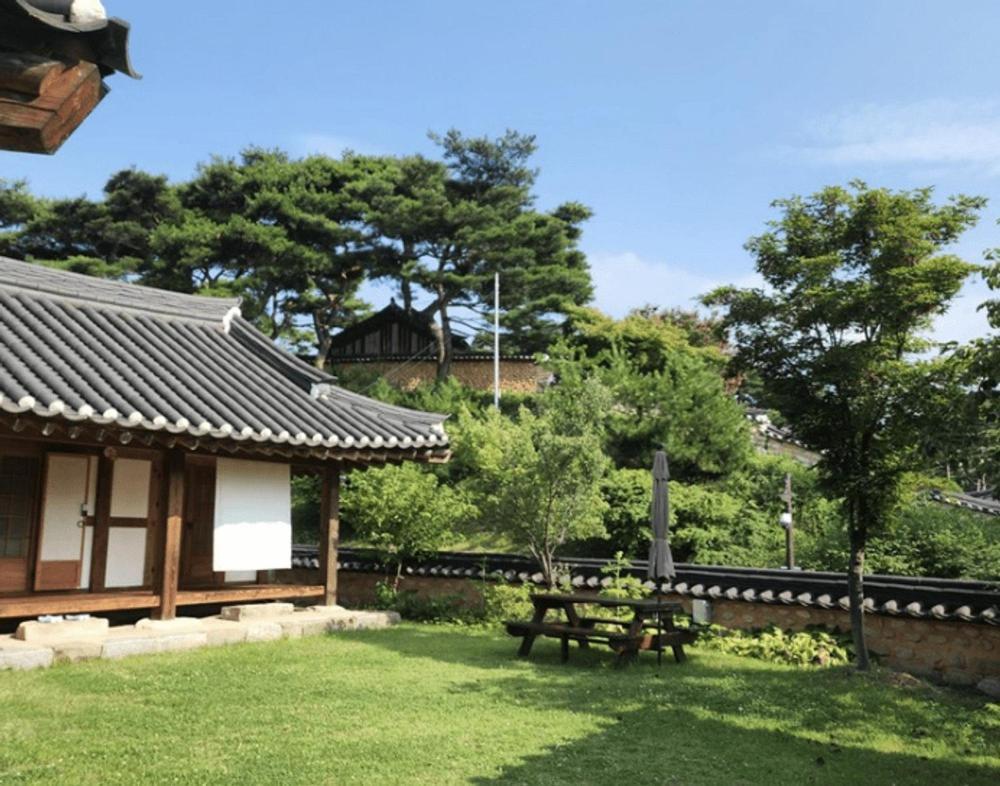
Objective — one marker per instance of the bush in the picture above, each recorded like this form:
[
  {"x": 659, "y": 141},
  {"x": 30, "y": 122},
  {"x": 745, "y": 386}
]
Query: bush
[
  {"x": 503, "y": 602},
  {"x": 439, "y": 608},
  {"x": 623, "y": 584},
  {"x": 403, "y": 512},
  {"x": 806, "y": 648}
]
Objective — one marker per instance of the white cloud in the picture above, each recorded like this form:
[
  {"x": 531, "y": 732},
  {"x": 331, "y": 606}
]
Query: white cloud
[
  {"x": 329, "y": 145},
  {"x": 624, "y": 280},
  {"x": 964, "y": 321},
  {"x": 942, "y": 133}
]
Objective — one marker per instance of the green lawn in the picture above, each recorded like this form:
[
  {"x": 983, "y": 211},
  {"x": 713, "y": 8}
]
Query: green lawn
[{"x": 426, "y": 704}]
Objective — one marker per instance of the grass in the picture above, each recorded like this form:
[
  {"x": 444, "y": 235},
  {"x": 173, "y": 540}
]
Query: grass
[{"x": 429, "y": 704}]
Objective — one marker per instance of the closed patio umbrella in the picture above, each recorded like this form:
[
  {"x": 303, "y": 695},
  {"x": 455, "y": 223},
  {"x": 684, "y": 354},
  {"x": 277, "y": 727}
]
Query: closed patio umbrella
[{"x": 661, "y": 561}]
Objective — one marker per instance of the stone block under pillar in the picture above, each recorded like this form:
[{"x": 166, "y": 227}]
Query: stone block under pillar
[
  {"x": 21, "y": 656},
  {"x": 176, "y": 625},
  {"x": 42, "y": 633},
  {"x": 256, "y": 611}
]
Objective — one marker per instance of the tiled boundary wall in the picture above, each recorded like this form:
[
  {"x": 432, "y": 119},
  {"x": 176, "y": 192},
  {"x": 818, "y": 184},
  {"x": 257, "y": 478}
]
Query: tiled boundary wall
[
  {"x": 516, "y": 376},
  {"x": 960, "y": 653}
]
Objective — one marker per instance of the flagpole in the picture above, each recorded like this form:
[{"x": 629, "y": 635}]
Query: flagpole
[{"x": 496, "y": 340}]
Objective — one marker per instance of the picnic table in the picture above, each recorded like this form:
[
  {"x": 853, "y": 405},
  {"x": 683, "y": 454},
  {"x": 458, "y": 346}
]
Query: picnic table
[{"x": 647, "y": 624}]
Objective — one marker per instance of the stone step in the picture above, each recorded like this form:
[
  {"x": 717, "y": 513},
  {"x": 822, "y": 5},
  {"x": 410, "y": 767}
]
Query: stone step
[
  {"x": 256, "y": 611},
  {"x": 16, "y": 654},
  {"x": 37, "y": 632}
]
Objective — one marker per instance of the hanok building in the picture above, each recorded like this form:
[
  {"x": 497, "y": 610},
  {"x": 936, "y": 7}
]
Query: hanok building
[
  {"x": 147, "y": 441},
  {"x": 399, "y": 345}
]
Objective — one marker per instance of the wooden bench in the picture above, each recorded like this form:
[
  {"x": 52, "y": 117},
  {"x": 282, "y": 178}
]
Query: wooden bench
[{"x": 651, "y": 627}]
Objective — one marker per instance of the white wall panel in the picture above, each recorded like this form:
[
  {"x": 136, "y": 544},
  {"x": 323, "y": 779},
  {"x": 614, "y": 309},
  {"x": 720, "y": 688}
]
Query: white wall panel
[
  {"x": 253, "y": 516},
  {"x": 240, "y": 576},
  {"x": 126, "y": 557},
  {"x": 67, "y": 483},
  {"x": 88, "y": 546},
  {"x": 130, "y": 488}
]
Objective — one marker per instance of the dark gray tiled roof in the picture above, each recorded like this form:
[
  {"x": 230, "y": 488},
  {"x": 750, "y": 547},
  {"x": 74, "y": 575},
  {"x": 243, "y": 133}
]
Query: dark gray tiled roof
[
  {"x": 85, "y": 349},
  {"x": 48, "y": 28},
  {"x": 980, "y": 502}
]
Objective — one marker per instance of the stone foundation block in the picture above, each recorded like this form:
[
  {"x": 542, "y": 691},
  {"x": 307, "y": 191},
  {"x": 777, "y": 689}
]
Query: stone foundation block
[
  {"x": 176, "y": 625},
  {"x": 219, "y": 632},
  {"x": 264, "y": 631},
  {"x": 372, "y": 620},
  {"x": 256, "y": 611},
  {"x": 125, "y": 646},
  {"x": 180, "y": 642},
  {"x": 65, "y": 630},
  {"x": 73, "y": 651},
  {"x": 20, "y": 656}
]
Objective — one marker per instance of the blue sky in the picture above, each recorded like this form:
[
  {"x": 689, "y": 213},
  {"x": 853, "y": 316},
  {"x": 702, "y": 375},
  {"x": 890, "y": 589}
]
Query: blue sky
[{"x": 676, "y": 122}]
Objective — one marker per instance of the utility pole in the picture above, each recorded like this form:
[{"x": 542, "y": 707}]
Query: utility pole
[
  {"x": 496, "y": 340},
  {"x": 788, "y": 523}
]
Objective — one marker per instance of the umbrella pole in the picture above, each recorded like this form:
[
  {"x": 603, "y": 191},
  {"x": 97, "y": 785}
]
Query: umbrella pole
[{"x": 659, "y": 625}]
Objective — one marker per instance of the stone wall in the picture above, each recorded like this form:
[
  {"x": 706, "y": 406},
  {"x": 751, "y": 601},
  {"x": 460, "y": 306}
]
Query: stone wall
[
  {"x": 516, "y": 376},
  {"x": 960, "y": 653}
]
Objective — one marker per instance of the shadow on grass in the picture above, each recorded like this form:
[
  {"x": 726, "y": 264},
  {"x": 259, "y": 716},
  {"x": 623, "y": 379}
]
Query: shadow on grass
[{"x": 718, "y": 718}]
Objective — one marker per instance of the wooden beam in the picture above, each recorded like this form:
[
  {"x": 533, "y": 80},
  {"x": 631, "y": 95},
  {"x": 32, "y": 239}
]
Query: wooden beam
[
  {"x": 13, "y": 606},
  {"x": 170, "y": 554},
  {"x": 237, "y": 593},
  {"x": 57, "y": 99},
  {"x": 329, "y": 533},
  {"x": 102, "y": 524},
  {"x": 75, "y": 602}
]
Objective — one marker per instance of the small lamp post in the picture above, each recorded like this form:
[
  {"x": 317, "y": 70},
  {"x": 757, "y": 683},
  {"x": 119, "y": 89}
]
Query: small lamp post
[{"x": 788, "y": 524}]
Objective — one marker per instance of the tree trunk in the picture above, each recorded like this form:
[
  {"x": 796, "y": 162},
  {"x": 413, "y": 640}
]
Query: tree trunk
[
  {"x": 443, "y": 336},
  {"x": 323, "y": 341},
  {"x": 856, "y": 593}
]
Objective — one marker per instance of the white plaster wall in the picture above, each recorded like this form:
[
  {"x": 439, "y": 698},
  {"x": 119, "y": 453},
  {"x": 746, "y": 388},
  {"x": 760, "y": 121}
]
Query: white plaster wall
[
  {"x": 130, "y": 488},
  {"x": 66, "y": 489},
  {"x": 126, "y": 557},
  {"x": 253, "y": 516}
]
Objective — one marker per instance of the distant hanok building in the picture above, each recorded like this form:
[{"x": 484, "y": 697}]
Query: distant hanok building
[{"x": 399, "y": 345}]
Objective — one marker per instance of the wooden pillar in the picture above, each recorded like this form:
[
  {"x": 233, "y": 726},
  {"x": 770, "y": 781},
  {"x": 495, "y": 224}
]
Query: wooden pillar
[
  {"x": 329, "y": 532},
  {"x": 170, "y": 554},
  {"x": 102, "y": 523}
]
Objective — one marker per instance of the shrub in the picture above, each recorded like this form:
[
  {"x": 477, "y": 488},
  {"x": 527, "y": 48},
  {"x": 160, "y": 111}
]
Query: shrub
[
  {"x": 411, "y": 606},
  {"x": 502, "y": 601},
  {"x": 811, "y": 647},
  {"x": 623, "y": 584},
  {"x": 403, "y": 512}
]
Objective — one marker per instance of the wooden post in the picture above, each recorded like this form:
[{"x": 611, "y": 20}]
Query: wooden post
[
  {"x": 102, "y": 517},
  {"x": 329, "y": 532},
  {"x": 790, "y": 528},
  {"x": 170, "y": 556}
]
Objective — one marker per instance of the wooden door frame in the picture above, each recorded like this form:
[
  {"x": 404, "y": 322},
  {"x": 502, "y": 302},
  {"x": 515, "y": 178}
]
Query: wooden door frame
[
  {"x": 187, "y": 536},
  {"x": 104, "y": 521},
  {"x": 30, "y": 449},
  {"x": 56, "y": 450}
]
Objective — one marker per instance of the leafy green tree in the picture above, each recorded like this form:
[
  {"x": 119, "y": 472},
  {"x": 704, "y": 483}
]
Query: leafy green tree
[
  {"x": 447, "y": 227},
  {"x": 17, "y": 207},
  {"x": 984, "y": 377},
  {"x": 538, "y": 476},
  {"x": 109, "y": 238},
  {"x": 402, "y": 512},
  {"x": 667, "y": 392},
  {"x": 853, "y": 275},
  {"x": 286, "y": 235}
]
